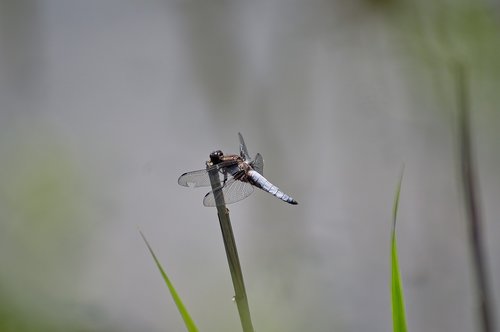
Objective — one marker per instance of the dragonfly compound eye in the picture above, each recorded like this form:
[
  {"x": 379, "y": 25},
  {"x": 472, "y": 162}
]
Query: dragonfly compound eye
[{"x": 215, "y": 157}]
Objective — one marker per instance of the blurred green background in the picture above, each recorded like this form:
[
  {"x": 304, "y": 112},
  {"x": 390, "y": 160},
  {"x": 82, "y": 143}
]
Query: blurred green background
[{"x": 104, "y": 104}]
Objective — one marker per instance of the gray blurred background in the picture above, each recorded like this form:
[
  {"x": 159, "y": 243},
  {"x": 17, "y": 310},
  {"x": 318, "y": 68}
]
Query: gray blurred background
[{"x": 103, "y": 104}]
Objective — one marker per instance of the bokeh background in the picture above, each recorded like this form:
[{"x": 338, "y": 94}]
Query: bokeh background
[{"x": 103, "y": 104}]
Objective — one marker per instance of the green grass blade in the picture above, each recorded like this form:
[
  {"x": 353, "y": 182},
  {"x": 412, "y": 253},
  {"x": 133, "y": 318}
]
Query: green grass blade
[
  {"x": 188, "y": 321},
  {"x": 397, "y": 296}
]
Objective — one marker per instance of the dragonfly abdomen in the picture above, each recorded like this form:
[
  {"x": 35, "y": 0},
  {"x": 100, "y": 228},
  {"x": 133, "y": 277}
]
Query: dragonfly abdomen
[{"x": 261, "y": 182}]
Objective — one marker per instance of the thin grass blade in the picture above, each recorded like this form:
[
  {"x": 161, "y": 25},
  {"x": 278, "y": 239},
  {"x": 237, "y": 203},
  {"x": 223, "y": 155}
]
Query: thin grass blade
[
  {"x": 397, "y": 296},
  {"x": 188, "y": 321}
]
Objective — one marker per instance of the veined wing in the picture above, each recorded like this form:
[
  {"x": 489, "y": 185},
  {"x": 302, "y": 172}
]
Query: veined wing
[
  {"x": 193, "y": 179},
  {"x": 243, "y": 149},
  {"x": 233, "y": 191},
  {"x": 200, "y": 177},
  {"x": 258, "y": 164}
]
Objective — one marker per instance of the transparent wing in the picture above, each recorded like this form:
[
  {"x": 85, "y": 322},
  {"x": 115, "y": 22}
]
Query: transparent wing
[
  {"x": 243, "y": 149},
  {"x": 258, "y": 164},
  {"x": 198, "y": 178},
  {"x": 233, "y": 191}
]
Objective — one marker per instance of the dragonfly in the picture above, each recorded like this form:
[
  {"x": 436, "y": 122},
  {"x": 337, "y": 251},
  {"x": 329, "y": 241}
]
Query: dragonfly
[{"x": 238, "y": 175}]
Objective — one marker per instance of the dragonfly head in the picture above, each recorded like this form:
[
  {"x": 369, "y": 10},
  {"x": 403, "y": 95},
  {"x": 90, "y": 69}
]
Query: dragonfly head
[{"x": 215, "y": 157}]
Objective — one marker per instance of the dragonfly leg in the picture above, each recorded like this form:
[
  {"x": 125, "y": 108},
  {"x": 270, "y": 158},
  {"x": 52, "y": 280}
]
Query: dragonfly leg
[{"x": 240, "y": 175}]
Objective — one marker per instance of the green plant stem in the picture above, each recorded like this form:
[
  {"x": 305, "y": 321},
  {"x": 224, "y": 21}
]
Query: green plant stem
[
  {"x": 471, "y": 200},
  {"x": 188, "y": 321},
  {"x": 397, "y": 294},
  {"x": 240, "y": 296}
]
